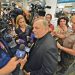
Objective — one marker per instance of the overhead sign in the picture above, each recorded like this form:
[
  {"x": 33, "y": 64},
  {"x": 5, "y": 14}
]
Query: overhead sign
[{"x": 65, "y": 1}]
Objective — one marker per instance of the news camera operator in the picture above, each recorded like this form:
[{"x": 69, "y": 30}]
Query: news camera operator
[
  {"x": 36, "y": 8},
  {"x": 19, "y": 11},
  {"x": 26, "y": 13}
]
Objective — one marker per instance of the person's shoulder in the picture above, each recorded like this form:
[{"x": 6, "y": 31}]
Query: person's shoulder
[{"x": 50, "y": 37}]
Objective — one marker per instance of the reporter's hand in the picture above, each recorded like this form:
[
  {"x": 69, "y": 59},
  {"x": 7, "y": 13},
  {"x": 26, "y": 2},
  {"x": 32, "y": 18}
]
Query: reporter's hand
[
  {"x": 59, "y": 46},
  {"x": 12, "y": 64},
  {"x": 23, "y": 61}
]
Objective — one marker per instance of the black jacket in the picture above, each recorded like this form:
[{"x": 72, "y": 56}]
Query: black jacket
[{"x": 43, "y": 57}]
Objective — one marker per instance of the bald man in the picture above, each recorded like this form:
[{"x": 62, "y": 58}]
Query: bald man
[{"x": 43, "y": 55}]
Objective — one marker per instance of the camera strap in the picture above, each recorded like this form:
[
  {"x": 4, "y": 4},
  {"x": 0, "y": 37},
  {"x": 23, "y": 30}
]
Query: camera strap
[{"x": 6, "y": 48}]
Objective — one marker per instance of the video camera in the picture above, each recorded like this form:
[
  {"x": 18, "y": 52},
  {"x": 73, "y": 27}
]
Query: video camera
[
  {"x": 36, "y": 7},
  {"x": 5, "y": 31},
  {"x": 3, "y": 27},
  {"x": 3, "y": 24}
]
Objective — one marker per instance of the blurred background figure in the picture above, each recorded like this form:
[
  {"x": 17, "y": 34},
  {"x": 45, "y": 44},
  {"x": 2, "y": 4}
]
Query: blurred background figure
[{"x": 48, "y": 18}]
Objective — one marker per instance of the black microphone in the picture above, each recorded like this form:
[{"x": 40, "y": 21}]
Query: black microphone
[
  {"x": 21, "y": 52},
  {"x": 49, "y": 7},
  {"x": 24, "y": 48}
]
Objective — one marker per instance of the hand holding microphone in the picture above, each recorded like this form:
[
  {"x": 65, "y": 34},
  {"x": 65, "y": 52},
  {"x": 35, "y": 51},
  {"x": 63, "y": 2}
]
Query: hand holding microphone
[
  {"x": 23, "y": 61},
  {"x": 21, "y": 54}
]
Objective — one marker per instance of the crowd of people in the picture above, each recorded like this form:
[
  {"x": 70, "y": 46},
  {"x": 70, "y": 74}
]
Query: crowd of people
[{"x": 46, "y": 42}]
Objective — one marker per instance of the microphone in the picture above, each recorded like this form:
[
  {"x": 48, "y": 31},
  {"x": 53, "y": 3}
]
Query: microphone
[
  {"x": 22, "y": 47},
  {"x": 25, "y": 48},
  {"x": 20, "y": 41},
  {"x": 20, "y": 53},
  {"x": 49, "y": 7}
]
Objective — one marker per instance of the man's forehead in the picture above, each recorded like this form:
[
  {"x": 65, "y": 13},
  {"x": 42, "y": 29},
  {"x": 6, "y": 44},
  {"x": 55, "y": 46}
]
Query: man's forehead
[
  {"x": 38, "y": 22},
  {"x": 38, "y": 25}
]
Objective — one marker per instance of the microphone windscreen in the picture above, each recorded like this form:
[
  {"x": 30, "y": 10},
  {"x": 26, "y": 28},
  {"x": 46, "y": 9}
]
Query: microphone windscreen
[
  {"x": 21, "y": 41},
  {"x": 22, "y": 47}
]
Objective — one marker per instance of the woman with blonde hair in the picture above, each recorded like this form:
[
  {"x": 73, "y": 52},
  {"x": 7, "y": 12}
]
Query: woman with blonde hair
[
  {"x": 23, "y": 30},
  {"x": 17, "y": 20}
]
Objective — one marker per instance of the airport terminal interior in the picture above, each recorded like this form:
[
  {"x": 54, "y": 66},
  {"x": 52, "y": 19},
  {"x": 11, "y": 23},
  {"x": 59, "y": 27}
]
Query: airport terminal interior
[{"x": 60, "y": 16}]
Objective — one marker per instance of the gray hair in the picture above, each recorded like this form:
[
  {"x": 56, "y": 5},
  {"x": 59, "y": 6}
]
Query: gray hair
[{"x": 45, "y": 22}]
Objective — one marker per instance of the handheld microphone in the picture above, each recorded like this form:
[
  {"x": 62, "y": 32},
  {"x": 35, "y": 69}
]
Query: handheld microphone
[
  {"x": 20, "y": 53},
  {"x": 27, "y": 49},
  {"x": 22, "y": 47},
  {"x": 20, "y": 41},
  {"x": 49, "y": 7}
]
